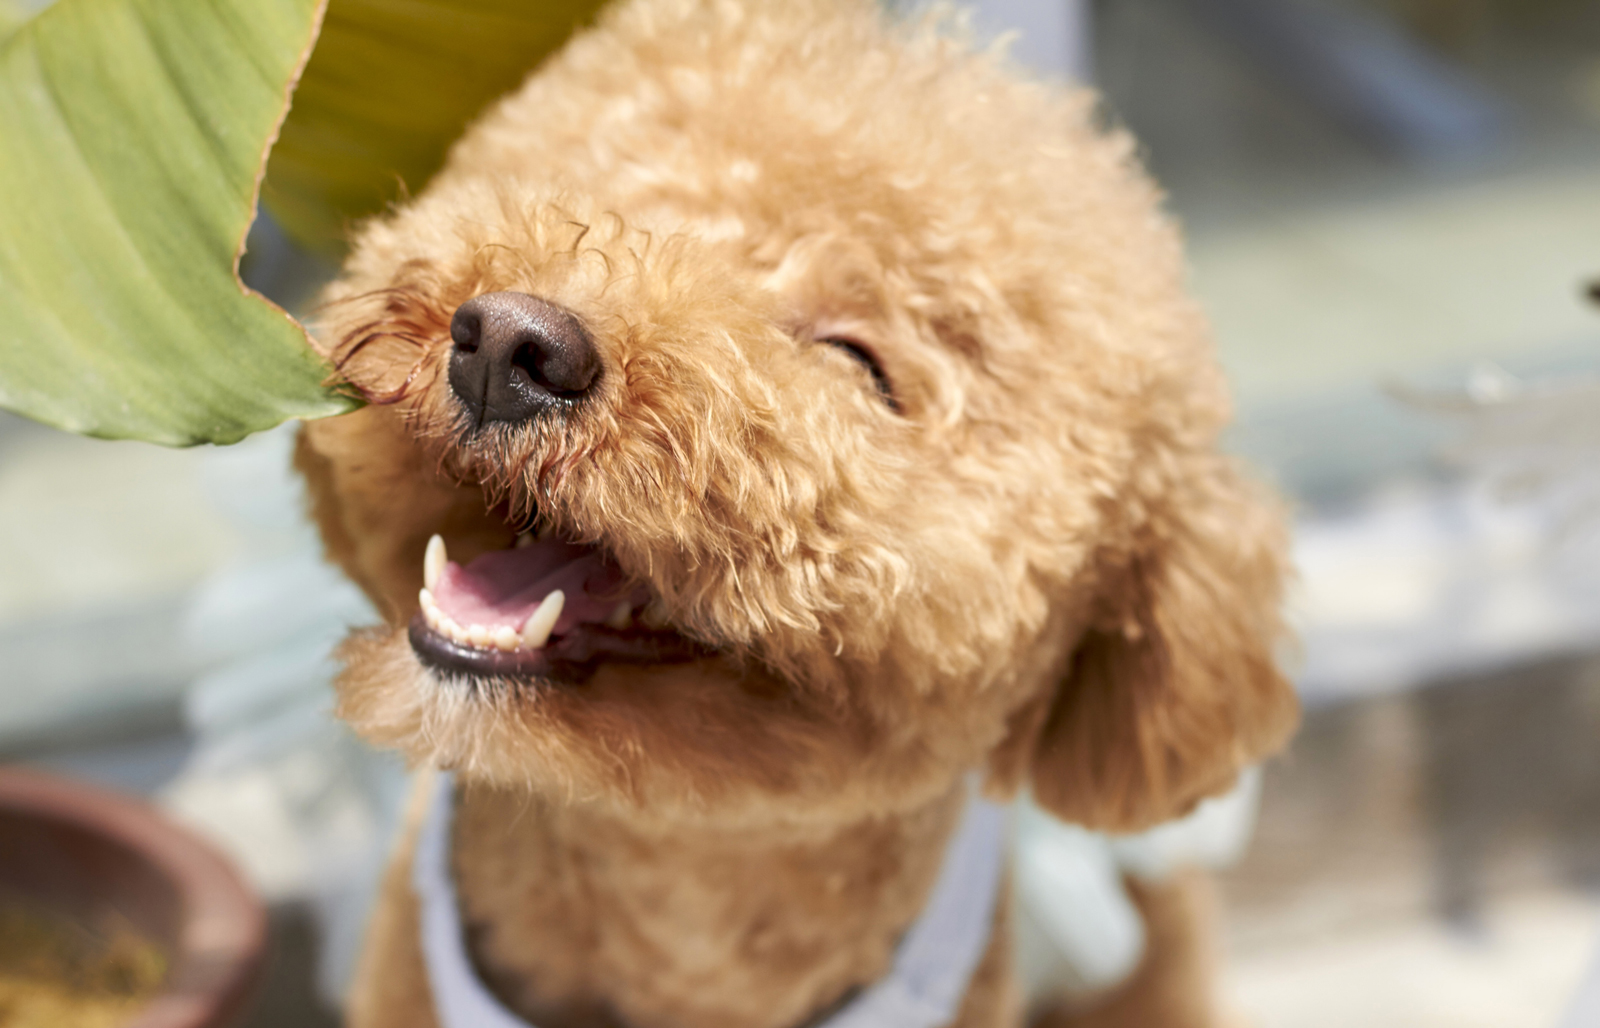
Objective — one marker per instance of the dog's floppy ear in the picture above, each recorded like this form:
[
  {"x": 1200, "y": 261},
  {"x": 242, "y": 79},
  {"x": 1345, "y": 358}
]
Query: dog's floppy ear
[{"x": 1173, "y": 688}]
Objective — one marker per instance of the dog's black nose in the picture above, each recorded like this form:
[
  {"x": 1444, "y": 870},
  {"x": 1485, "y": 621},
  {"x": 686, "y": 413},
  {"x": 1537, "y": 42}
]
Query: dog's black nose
[{"x": 517, "y": 356}]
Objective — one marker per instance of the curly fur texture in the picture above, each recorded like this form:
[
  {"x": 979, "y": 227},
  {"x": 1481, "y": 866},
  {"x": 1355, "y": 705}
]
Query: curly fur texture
[{"x": 1033, "y": 561}]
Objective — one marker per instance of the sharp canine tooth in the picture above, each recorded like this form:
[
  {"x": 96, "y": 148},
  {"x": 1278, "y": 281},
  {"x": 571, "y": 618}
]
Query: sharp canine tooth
[
  {"x": 433, "y": 562},
  {"x": 543, "y": 621},
  {"x": 504, "y": 638},
  {"x": 655, "y": 615},
  {"x": 620, "y": 616}
]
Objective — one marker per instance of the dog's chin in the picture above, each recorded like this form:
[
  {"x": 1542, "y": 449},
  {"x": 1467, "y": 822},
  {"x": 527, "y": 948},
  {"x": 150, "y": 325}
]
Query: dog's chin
[
  {"x": 717, "y": 741},
  {"x": 714, "y": 742}
]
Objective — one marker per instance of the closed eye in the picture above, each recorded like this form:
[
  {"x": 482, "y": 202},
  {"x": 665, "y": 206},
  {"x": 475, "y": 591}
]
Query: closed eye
[{"x": 867, "y": 359}]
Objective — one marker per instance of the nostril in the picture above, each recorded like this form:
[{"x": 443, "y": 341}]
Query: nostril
[
  {"x": 564, "y": 366},
  {"x": 466, "y": 328},
  {"x": 531, "y": 357}
]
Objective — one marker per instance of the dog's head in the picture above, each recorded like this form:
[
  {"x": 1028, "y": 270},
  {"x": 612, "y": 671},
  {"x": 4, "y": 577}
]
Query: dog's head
[{"x": 845, "y": 388}]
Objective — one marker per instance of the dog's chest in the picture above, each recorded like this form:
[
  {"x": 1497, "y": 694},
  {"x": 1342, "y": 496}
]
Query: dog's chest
[{"x": 576, "y": 921}]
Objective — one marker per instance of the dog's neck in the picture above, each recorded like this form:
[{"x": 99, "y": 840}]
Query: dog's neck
[{"x": 579, "y": 919}]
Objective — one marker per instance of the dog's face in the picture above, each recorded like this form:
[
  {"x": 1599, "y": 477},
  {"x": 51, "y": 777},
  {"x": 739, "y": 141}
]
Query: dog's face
[{"x": 845, "y": 390}]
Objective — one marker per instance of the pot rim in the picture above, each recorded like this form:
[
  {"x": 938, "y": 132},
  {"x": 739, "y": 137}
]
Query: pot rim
[{"x": 222, "y": 939}]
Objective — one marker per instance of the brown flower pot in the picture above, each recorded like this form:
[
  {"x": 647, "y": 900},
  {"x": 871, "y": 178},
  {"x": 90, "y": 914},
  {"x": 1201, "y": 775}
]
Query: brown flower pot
[{"x": 83, "y": 851}]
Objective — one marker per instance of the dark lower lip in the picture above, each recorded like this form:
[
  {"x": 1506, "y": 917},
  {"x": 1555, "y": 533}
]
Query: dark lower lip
[{"x": 571, "y": 658}]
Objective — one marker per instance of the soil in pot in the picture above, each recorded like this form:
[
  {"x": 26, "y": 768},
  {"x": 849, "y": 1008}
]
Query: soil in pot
[{"x": 56, "y": 971}]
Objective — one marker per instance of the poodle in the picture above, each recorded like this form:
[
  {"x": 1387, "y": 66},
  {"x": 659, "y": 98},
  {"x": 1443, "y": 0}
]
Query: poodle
[{"x": 787, "y": 427}]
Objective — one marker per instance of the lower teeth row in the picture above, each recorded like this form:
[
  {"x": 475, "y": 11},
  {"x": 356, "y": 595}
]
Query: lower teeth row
[
  {"x": 535, "y": 632},
  {"x": 533, "y": 636}
]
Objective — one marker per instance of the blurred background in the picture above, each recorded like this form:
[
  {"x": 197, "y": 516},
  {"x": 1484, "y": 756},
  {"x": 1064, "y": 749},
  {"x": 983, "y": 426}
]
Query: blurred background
[{"x": 1393, "y": 213}]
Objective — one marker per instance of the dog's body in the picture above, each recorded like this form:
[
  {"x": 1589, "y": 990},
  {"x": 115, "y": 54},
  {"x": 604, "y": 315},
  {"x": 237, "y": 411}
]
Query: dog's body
[{"x": 1005, "y": 546}]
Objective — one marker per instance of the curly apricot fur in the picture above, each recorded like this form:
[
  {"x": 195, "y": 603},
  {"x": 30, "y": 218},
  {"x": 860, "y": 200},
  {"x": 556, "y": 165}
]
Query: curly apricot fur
[{"x": 1037, "y": 565}]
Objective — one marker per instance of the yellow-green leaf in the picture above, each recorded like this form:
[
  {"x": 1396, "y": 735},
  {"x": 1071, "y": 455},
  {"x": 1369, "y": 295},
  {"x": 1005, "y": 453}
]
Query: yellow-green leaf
[
  {"x": 132, "y": 133},
  {"x": 390, "y": 86},
  {"x": 11, "y": 17}
]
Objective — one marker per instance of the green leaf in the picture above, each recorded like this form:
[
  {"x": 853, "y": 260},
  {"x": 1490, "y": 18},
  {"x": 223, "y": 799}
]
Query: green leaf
[
  {"x": 391, "y": 85},
  {"x": 134, "y": 132},
  {"x": 134, "y": 136},
  {"x": 11, "y": 16}
]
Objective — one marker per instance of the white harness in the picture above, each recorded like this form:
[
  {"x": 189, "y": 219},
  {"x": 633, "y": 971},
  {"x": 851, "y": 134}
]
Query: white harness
[{"x": 923, "y": 989}]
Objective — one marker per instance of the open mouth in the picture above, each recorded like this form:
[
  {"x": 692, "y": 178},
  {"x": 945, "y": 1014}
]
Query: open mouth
[{"x": 546, "y": 608}]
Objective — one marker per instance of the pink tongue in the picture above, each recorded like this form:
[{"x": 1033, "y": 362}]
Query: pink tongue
[{"x": 506, "y": 586}]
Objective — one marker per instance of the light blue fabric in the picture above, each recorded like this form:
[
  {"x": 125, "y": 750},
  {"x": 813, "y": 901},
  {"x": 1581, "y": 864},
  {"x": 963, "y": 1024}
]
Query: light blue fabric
[
  {"x": 1078, "y": 931},
  {"x": 459, "y": 998},
  {"x": 924, "y": 988}
]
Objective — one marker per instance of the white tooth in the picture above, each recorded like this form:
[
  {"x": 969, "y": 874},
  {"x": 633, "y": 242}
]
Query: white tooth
[
  {"x": 478, "y": 636},
  {"x": 655, "y": 615},
  {"x": 433, "y": 562},
  {"x": 525, "y": 539},
  {"x": 546, "y": 532},
  {"x": 543, "y": 621},
  {"x": 452, "y": 629},
  {"x": 504, "y": 638},
  {"x": 621, "y": 616}
]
